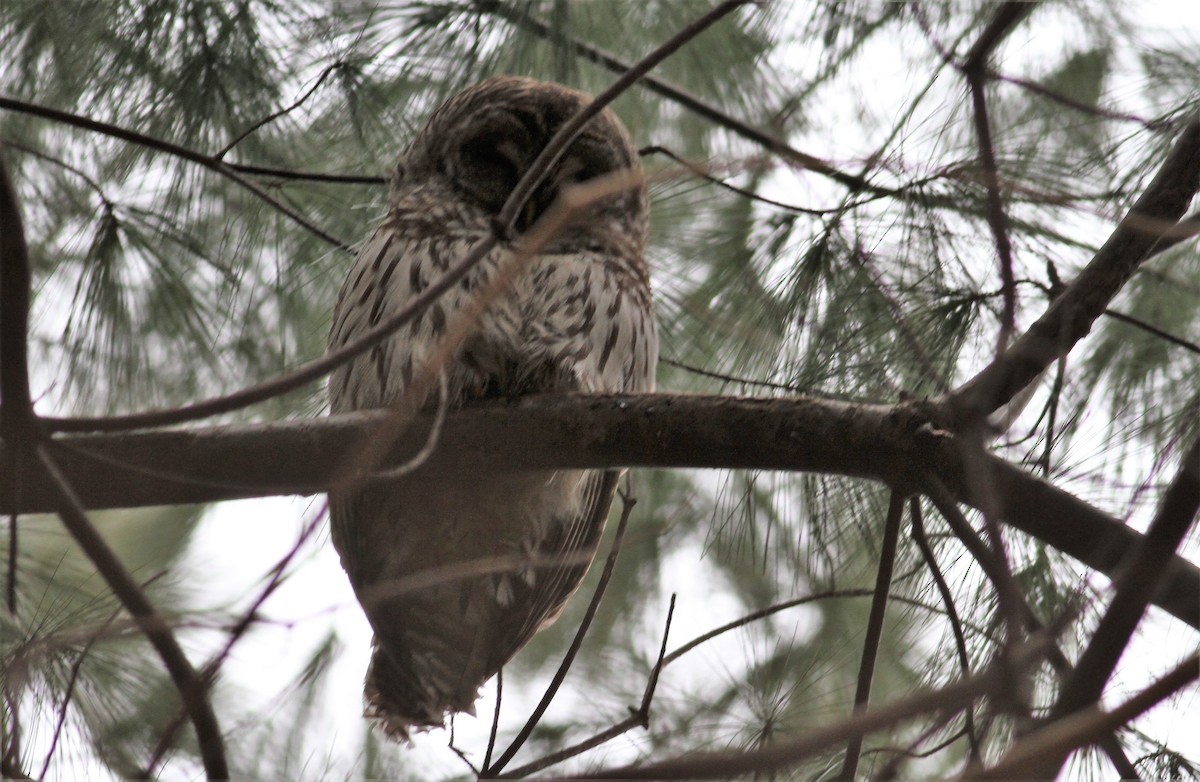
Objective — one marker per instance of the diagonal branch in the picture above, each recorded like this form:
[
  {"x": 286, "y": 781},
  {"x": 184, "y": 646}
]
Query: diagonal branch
[
  {"x": 570, "y": 129},
  {"x": 1027, "y": 759},
  {"x": 693, "y": 103},
  {"x": 157, "y": 631},
  {"x": 1070, "y": 317},
  {"x": 1141, "y": 578}
]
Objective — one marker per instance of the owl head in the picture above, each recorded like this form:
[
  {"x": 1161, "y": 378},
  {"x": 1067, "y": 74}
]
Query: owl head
[{"x": 480, "y": 142}]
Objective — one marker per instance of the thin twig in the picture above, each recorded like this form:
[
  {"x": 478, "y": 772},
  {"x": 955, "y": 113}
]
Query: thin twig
[
  {"x": 1150, "y": 328},
  {"x": 639, "y": 718},
  {"x": 159, "y": 145},
  {"x": 157, "y": 631},
  {"x": 994, "y": 564},
  {"x": 874, "y": 634},
  {"x": 1005, "y": 20},
  {"x": 281, "y": 112},
  {"x": 487, "y": 757},
  {"x": 1153, "y": 125},
  {"x": 960, "y": 641},
  {"x": 494, "y": 769}
]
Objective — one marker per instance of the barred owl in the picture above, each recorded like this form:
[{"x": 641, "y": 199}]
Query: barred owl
[{"x": 577, "y": 318}]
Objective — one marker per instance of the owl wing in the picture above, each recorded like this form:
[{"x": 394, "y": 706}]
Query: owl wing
[{"x": 567, "y": 553}]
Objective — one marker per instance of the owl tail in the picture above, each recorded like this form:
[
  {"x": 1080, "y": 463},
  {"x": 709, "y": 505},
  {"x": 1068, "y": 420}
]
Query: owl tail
[{"x": 398, "y": 704}]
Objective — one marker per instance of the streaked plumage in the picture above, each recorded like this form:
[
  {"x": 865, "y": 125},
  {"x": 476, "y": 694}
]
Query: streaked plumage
[{"x": 578, "y": 318}]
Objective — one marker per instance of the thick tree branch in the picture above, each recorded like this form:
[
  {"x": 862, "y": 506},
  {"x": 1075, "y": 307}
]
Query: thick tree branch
[
  {"x": 1070, "y": 317},
  {"x": 18, "y": 424},
  {"x": 894, "y": 444}
]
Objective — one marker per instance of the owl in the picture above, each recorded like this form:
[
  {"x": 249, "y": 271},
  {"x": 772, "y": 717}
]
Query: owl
[{"x": 456, "y": 571}]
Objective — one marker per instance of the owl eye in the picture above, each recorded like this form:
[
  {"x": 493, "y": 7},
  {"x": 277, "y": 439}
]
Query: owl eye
[{"x": 489, "y": 168}]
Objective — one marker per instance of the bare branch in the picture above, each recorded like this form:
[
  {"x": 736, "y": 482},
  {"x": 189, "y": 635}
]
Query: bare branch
[
  {"x": 785, "y": 753},
  {"x": 640, "y": 718},
  {"x": 960, "y": 641},
  {"x": 281, "y": 112}
]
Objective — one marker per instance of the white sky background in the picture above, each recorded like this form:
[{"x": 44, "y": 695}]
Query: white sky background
[{"x": 239, "y": 541}]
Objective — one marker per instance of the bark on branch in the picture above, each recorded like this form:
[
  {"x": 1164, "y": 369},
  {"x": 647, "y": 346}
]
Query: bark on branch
[{"x": 893, "y": 444}]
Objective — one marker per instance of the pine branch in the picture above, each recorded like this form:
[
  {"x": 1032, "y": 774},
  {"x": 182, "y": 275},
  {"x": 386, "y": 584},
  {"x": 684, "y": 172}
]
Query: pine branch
[
  {"x": 893, "y": 444},
  {"x": 788, "y": 752},
  {"x": 1070, "y": 317},
  {"x": 212, "y": 163}
]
